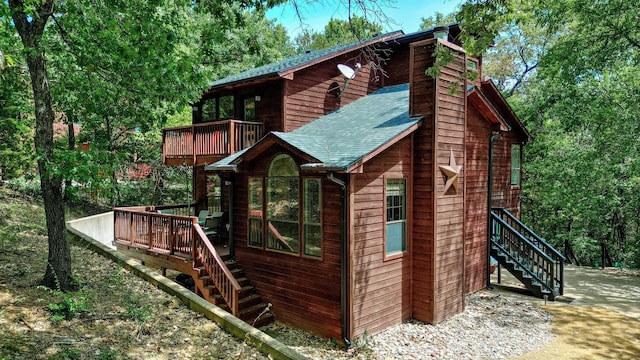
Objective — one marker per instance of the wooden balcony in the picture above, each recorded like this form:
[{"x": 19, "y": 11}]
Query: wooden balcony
[{"x": 208, "y": 142}]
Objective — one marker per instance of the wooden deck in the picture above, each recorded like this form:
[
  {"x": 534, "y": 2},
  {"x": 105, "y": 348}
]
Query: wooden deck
[
  {"x": 208, "y": 142},
  {"x": 178, "y": 242}
]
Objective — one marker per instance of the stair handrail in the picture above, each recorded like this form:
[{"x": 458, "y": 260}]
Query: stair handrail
[
  {"x": 220, "y": 274},
  {"x": 550, "y": 273},
  {"x": 531, "y": 273},
  {"x": 550, "y": 250},
  {"x": 531, "y": 233}
]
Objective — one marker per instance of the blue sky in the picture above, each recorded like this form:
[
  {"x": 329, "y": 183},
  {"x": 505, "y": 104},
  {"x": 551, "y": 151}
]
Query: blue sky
[{"x": 405, "y": 13}]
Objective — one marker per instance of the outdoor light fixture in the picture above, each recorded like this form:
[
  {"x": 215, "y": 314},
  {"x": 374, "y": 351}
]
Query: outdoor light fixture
[{"x": 441, "y": 32}]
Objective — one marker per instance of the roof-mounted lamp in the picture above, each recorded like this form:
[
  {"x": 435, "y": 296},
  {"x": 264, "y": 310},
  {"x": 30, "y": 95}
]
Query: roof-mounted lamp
[{"x": 441, "y": 32}]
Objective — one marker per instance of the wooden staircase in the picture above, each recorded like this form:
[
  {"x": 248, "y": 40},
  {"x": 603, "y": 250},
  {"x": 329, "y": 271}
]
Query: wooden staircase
[
  {"x": 179, "y": 243},
  {"x": 250, "y": 308},
  {"x": 535, "y": 263}
]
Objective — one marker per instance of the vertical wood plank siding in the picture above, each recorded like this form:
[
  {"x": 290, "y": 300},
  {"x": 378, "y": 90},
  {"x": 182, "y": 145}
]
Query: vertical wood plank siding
[
  {"x": 381, "y": 289},
  {"x": 422, "y": 103},
  {"x": 504, "y": 194},
  {"x": 450, "y": 209},
  {"x": 475, "y": 251},
  {"x": 305, "y": 292}
]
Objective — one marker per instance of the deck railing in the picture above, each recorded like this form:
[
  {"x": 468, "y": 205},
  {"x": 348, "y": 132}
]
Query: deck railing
[
  {"x": 144, "y": 228},
  {"x": 220, "y": 274},
  {"x": 220, "y": 138}
]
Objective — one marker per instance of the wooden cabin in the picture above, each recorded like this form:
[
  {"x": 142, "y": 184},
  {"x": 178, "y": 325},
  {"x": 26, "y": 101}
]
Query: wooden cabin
[{"x": 354, "y": 204}]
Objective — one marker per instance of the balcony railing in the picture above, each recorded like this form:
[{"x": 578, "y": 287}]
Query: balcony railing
[
  {"x": 179, "y": 236},
  {"x": 201, "y": 143}
]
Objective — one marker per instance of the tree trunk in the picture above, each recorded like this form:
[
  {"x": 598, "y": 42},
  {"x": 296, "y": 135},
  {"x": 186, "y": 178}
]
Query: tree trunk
[{"x": 30, "y": 27}]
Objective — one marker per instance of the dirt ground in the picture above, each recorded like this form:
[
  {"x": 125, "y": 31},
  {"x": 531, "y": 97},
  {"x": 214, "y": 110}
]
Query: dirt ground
[
  {"x": 601, "y": 319},
  {"x": 116, "y": 315},
  {"x": 590, "y": 332},
  {"x": 113, "y": 315}
]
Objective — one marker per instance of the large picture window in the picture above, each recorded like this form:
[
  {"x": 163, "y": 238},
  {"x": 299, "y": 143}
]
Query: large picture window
[
  {"x": 282, "y": 205},
  {"x": 516, "y": 164},
  {"x": 255, "y": 212},
  {"x": 396, "y": 221},
  {"x": 312, "y": 224}
]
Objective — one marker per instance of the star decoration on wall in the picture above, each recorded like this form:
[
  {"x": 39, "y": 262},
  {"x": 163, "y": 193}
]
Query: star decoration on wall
[{"x": 451, "y": 171}]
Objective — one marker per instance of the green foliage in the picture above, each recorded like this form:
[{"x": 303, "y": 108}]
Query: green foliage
[
  {"x": 68, "y": 306},
  {"x": 337, "y": 32},
  {"x": 437, "y": 19},
  {"x": 106, "y": 353},
  {"x": 67, "y": 354},
  {"x": 570, "y": 68}
]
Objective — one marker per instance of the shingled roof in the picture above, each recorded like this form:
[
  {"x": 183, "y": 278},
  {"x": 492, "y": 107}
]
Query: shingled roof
[
  {"x": 294, "y": 63},
  {"x": 343, "y": 140}
]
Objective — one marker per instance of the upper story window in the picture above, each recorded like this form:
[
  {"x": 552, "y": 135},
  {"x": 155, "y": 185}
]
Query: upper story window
[
  {"x": 283, "y": 232},
  {"x": 516, "y": 164},
  {"x": 218, "y": 108},
  {"x": 472, "y": 64},
  {"x": 250, "y": 108},
  {"x": 396, "y": 217}
]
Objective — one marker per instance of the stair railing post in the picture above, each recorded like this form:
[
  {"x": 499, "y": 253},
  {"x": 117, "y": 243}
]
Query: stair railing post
[
  {"x": 552, "y": 278},
  {"x": 561, "y": 278}
]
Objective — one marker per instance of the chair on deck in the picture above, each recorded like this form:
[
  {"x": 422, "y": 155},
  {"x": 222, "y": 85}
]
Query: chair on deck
[
  {"x": 202, "y": 217},
  {"x": 212, "y": 228}
]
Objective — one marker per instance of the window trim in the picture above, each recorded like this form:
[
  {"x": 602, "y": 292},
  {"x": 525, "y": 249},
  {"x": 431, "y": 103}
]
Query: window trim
[{"x": 396, "y": 255}]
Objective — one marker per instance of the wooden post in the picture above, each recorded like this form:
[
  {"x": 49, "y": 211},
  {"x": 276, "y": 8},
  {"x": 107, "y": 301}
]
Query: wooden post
[
  {"x": 131, "y": 230},
  {"x": 232, "y": 137},
  {"x": 150, "y": 226},
  {"x": 172, "y": 238}
]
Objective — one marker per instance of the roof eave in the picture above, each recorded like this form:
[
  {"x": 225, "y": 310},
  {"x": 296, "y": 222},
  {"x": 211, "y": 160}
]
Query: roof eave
[{"x": 490, "y": 85}]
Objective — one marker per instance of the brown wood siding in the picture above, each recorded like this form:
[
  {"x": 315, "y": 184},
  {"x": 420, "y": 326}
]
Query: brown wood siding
[
  {"x": 475, "y": 250},
  {"x": 504, "y": 194},
  {"x": 423, "y": 182},
  {"x": 450, "y": 209},
  {"x": 309, "y": 95},
  {"x": 269, "y": 108},
  {"x": 381, "y": 288},
  {"x": 397, "y": 68},
  {"x": 305, "y": 292},
  {"x": 421, "y": 86}
]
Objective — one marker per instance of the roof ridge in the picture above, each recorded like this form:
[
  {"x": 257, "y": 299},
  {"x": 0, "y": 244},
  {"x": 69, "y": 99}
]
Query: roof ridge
[{"x": 301, "y": 60}]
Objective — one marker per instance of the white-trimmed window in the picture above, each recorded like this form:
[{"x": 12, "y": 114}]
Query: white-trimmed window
[{"x": 396, "y": 216}]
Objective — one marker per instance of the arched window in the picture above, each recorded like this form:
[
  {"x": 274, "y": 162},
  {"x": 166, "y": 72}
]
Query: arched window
[{"x": 283, "y": 231}]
